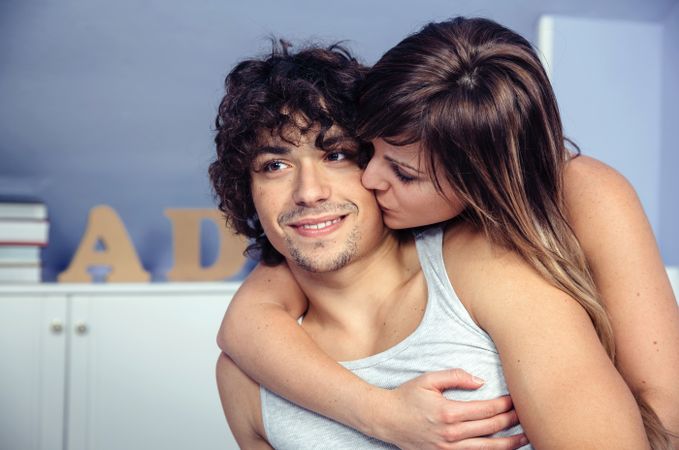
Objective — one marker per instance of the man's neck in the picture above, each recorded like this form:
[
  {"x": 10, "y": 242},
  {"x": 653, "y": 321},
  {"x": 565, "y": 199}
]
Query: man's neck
[{"x": 350, "y": 301}]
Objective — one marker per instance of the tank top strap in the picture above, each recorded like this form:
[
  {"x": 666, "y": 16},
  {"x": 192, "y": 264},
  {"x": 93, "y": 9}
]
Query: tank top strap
[{"x": 429, "y": 242}]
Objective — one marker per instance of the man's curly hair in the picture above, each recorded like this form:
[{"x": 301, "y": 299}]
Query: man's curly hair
[{"x": 319, "y": 84}]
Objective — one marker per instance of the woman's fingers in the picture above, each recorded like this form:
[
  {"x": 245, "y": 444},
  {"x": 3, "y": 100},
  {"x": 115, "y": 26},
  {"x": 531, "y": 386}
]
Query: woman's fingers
[
  {"x": 464, "y": 430},
  {"x": 461, "y": 411},
  {"x": 448, "y": 379},
  {"x": 422, "y": 418},
  {"x": 503, "y": 443}
]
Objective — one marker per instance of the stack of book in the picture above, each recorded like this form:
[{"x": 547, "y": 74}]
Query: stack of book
[{"x": 23, "y": 231}]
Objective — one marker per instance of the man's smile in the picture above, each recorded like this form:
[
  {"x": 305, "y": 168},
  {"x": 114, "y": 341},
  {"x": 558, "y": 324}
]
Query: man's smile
[{"x": 315, "y": 227}]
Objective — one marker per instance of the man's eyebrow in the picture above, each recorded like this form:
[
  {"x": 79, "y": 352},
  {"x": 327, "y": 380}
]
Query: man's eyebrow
[
  {"x": 338, "y": 140},
  {"x": 400, "y": 163},
  {"x": 271, "y": 149}
]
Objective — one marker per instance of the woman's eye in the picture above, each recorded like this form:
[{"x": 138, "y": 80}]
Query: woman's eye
[{"x": 401, "y": 175}]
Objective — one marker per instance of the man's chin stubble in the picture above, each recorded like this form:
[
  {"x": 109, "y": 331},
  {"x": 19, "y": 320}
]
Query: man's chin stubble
[{"x": 312, "y": 265}]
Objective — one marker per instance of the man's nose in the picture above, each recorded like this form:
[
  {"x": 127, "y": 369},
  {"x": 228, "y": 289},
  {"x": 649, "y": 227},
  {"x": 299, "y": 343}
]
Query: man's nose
[
  {"x": 373, "y": 176},
  {"x": 312, "y": 186}
]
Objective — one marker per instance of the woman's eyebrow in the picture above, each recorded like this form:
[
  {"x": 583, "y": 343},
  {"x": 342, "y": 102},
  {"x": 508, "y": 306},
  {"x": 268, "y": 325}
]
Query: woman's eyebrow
[{"x": 400, "y": 163}]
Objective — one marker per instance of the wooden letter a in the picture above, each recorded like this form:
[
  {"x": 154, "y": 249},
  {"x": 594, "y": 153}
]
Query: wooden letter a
[{"x": 105, "y": 227}]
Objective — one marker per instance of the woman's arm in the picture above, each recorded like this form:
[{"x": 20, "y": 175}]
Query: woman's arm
[
  {"x": 610, "y": 224},
  {"x": 261, "y": 335},
  {"x": 566, "y": 391}
]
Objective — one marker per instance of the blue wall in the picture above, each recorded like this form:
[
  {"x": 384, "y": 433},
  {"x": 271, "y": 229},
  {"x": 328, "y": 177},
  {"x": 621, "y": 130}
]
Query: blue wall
[
  {"x": 669, "y": 175},
  {"x": 113, "y": 102},
  {"x": 607, "y": 78},
  {"x": 617, "y": 83}
]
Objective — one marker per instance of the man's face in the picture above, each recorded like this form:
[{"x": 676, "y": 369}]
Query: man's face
[{"x": 310, "y": 201}]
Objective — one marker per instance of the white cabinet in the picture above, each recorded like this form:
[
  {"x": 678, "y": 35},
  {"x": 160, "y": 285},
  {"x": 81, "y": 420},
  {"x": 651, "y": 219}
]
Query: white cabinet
[
  {"x": 111, "y": 367},
  {"x": 32, "y": 371}
]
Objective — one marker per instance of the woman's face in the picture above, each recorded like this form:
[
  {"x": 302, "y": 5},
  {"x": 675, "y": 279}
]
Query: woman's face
[{"x": 404, "y": 190}]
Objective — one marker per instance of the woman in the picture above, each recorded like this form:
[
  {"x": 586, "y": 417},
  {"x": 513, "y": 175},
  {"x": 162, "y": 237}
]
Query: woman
[{"x": 465, "y": 126}]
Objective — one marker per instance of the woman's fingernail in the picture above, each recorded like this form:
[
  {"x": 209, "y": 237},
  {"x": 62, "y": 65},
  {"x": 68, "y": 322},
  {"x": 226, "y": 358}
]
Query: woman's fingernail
[
  {"x": 523, "y": 440},
  {"x": 478, "y": 380}
]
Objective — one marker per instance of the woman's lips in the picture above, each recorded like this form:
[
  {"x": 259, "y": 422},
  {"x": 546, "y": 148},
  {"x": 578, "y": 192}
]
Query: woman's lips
[{"x": 383, "y": 208}]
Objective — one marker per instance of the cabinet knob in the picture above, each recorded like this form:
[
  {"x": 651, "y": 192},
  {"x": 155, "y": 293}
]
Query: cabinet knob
[
  {"x": 81, "y": 328},
  {"x": 56, "y": 326}
]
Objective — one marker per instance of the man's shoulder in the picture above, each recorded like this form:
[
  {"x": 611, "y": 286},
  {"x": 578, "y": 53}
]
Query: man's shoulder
[
  {"x": 241, "y": 402},
  {"x": 486, "y": 274}
]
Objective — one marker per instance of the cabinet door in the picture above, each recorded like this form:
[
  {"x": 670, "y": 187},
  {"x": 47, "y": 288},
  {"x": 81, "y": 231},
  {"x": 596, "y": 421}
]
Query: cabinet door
[
  {"x": 142, "y": 372},
  {"x": 32, "y": 371}
]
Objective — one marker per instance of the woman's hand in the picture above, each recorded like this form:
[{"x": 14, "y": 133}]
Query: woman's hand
[{"x": 417, "y": 416}]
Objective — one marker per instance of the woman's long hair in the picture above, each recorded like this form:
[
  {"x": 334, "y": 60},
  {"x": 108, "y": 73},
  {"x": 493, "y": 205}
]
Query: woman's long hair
[{"x": 477, "y": 98}]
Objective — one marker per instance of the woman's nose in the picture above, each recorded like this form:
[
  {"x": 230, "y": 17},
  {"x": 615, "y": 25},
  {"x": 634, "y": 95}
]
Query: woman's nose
[{"x": 373, "y": 176}]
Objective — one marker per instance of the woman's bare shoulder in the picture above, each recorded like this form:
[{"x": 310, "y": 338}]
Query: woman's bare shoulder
[
  {"x": 590, "y": 183},
  {"x": 485, "y": 273}
]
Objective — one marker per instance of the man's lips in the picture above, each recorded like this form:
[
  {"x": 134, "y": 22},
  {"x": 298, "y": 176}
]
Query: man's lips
[{"x": 317, "y": 226}]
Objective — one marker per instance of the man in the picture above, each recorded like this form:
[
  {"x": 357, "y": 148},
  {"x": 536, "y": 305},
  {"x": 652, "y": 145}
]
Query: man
[{"x": 288, "y": 175}]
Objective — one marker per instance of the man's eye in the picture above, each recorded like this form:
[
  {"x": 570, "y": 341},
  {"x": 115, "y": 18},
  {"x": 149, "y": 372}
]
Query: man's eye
[
  {"x": 338, "y": 156},
  {"x": 273, "y": 166}
]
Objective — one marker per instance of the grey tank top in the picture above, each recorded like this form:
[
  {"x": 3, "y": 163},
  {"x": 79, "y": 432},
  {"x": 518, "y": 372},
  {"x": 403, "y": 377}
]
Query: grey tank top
[{"x": 446, "y": 338}]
